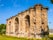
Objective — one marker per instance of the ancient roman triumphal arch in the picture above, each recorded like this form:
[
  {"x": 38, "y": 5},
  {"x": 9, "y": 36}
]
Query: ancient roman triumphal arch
[{"x": 30, "y": 23}]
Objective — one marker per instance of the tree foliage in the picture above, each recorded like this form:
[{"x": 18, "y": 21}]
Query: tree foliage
[
  {"x": 52, "y": 1},
  {"x": 2, "y": 28}
]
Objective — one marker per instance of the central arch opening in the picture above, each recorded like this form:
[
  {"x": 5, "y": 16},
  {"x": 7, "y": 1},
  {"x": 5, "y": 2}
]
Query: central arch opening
[
  {"x": 27, "y": 19},
  {"x": 16, "y": 25},
  {"x": 27, "y": 22}
]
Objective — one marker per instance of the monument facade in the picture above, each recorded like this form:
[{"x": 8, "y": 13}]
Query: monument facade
[{"x": 30, "y": 23}]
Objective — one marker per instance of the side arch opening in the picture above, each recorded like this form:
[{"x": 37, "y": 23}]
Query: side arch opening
[{"x": 16, "y": 25}]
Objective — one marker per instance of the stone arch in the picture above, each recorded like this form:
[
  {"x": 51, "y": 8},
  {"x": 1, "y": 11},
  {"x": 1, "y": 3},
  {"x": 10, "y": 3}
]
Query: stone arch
[
  {"x": 16, "y": 25},
  {"x": 27, "y": 19},
  {"x": 27, "y": 22}
]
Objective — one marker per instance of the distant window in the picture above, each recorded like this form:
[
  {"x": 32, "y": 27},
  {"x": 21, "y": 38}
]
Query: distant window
[
  {"x": 42, "y": 22},
  {"x": 9, "y": 23},
  {"x": 34, "y": 22}
]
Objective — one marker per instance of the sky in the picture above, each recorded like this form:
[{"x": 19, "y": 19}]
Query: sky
[{"x": 10, "y": 8}]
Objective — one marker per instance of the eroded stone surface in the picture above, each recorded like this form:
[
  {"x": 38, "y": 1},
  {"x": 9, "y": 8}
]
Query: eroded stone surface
[{"x": 30, "y": 23}]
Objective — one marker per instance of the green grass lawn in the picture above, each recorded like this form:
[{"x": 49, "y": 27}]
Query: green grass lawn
[
  {"x": 7, "y": 38},
  {"x": 4, "y": 37},
  {"x": 51, "y": 37}
]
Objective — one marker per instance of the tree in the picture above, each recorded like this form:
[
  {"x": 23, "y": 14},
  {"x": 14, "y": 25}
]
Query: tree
[
  {"x": 2, "y": 28},
  {"x": 52, "y": 1}
]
